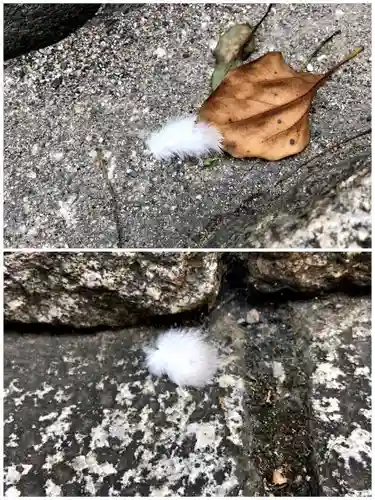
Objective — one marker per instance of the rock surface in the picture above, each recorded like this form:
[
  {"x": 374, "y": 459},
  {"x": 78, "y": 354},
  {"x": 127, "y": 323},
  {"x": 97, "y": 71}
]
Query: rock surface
[
  {"x": 306, "y": 218},
  {"x": 31, "y": 27},
  {"x": 125, "y": 73},
  {"x": 287, "y": 414},
  {"x": 84, "y": 418},
  {"x": 121, "y": 289},
  {"x": 308, "y": 397},
  {"x": 91, "y": 290},
  {"x": 301, "y": 271}
]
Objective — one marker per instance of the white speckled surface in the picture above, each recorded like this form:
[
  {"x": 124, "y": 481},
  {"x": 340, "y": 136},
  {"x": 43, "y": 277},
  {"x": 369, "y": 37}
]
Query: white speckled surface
[
  {"x": 84, "y": 417},
  {"x": 102, "y": 425}
]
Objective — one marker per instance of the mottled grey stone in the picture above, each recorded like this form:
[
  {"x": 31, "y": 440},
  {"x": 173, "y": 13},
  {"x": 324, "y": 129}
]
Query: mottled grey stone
[
  {"x": 109, "y": 289},
  {"x": 291, "y": 403},
  {"x": 307, "y": 217},
  {"x": 308, "y": 397},
  {"x": 83, "y": 417},
  {"x": 96, "y": 289},
  {"x": 340, "y": 332},
  {"x": 301, "y": 272},
  {"x": 125, "y": 73}
]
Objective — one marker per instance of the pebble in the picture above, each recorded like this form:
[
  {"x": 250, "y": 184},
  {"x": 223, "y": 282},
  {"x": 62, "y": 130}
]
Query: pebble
[{"x": 252, "y": 317}]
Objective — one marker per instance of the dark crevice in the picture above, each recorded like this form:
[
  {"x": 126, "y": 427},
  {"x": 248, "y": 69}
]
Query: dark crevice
[
  {"x": 236, "y": 279},
  {"x": 192, "y": 318}
]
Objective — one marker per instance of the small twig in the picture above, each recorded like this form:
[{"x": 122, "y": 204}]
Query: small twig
[
  {"x": 224, "y": 302},
  {"x": 261, "y": 21},
  {"x": 102, "y": 164},
  {"x": 325, "y": 151},
  {"x": 318, "y": 49},
  {"x": 347, "y": 58}
]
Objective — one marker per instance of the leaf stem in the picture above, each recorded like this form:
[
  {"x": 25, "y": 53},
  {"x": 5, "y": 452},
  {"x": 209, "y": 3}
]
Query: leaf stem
[{"x": 347, "y": 58}]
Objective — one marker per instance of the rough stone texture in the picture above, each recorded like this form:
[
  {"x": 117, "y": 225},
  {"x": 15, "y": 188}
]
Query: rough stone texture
[
  {"x": 341, "y": 219},
  {"x": 308, "y": 395},
  {"x": 83, "y": 417},
  {"x": 90, "y": 290},
  {"x": 341, "y": 393},
  {"x": 120, "y": 289},
  {"x": 31, "y": 27},
  {"x": 125, "y": 73},
  {"x": 301, "y": 271}
]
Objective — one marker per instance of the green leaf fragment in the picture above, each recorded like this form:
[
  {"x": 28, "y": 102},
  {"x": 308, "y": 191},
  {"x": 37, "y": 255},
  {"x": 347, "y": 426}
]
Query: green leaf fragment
[
  {"x": 208, "y": 162},
  {"x": 232, "y": 49},
  {"x": 230, "y": 45},
  {"x": 220, "y": 72}
]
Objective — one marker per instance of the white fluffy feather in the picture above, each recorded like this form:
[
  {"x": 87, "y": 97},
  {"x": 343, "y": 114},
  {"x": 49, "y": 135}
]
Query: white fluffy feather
[
  {"x": 184, "y": 356},
  {"x": 184, "y": 137}
]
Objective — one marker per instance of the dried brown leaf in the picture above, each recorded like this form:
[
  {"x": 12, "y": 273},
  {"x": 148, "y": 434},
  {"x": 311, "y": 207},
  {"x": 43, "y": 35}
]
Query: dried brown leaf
[{"x": 261, "y": 108}]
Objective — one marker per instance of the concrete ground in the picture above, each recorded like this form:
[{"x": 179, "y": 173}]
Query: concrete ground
[
  {"x": 124, "y": 74},
  {"x": 287, "y": 414}
]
